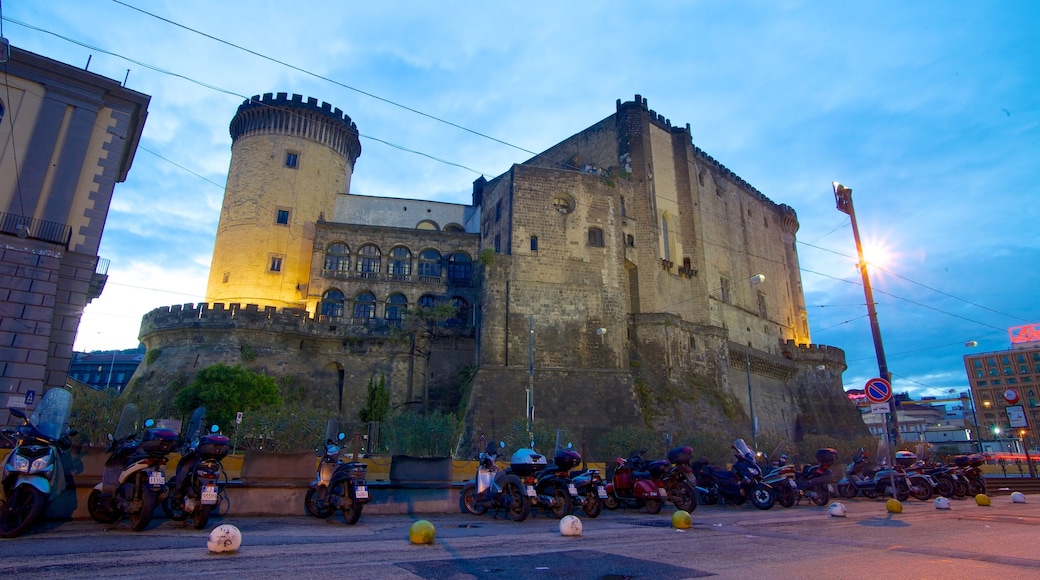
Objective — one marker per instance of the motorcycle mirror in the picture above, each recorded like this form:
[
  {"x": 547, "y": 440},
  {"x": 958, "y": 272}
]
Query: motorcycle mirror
[
  {"x": 502, "y": 444},
  {"x": 340, "y": 436},
  {"x": 570, "y": 445},
  {"x": 72, "y": 433},
  {"x": 149, "y": 423},
  {"x": 110, "y": 437},
  {"x": 214, "y": 429},
  {"x": 17, "y": 413}
]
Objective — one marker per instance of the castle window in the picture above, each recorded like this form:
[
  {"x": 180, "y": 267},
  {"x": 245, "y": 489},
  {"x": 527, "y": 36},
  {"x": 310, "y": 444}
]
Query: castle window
[
  {"x": 227, "y": 275},
  {"x": 498, "y": 243},
  {"x": 337, "y": 258},
  {"x": 364, "y": 308},
  {"x": 427, "y": 225},
  {"x": 461, "y": 315},
  {"x": 460, "y": 269},
  {"x": 427, "y": 301},
  {"x": 430, "y": 266},
  {"x": 369, "y": 260},
  {"x": 563, "y": 203},
  {"x": 630, "y": 240},
  {"x": 395, "y": 307},
  {"x": 724, "y": 286},
  {"x": 453, "y": 228},
  {"x": 292, "y": 159},
  {"x": 498, "y": 211},
  {"x": 534, "y": 243},
  {"x": 282, "y": 217},
  {"x": 399, "y": 266},
  {"x": 275, "y": 264},
  {"x": 623, "y": 212},
  {"x": 596, "y": 237},
  {"x": 332, "y": 304},
  {"x": 762, "y": 305}
]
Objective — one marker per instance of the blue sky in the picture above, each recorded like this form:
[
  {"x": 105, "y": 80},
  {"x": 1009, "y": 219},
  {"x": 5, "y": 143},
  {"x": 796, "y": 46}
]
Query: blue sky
[{"x": 927, "y": 110}]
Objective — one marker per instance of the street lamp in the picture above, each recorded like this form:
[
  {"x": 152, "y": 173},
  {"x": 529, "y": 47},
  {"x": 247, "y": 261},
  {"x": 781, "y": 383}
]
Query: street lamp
[
  {"x": 843, "y": 198},
  {"x": 755, "y": 281}
]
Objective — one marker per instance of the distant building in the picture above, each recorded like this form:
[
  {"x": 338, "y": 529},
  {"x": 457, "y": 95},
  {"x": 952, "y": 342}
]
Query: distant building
[
  {"x": 67, "y": 136},
  {"x": 105, "y": 370},
  {"x": 1005, "y": 388}
]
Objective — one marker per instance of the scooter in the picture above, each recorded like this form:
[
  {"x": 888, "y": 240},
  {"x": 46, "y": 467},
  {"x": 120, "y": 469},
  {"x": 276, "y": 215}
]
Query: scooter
[
  {"x": 968, "y": 469},
  {"x": 495, "y": 489},
  {"x": 196, "y": 487},
  {"x": 32, "y": 475},
  {"x": 872, "y": 483},
  {"x": 133, "y": 481},
  {"x": 737, "y": 486},
  {"x": 632, "y": 484},
  {"x": 591, "y": 489},
  {"x": 553, "y": 487},
  {"x": 338, "y": 484}
]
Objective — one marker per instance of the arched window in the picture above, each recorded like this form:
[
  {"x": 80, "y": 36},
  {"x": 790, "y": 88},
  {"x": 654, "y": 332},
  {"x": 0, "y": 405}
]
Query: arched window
[
  {"x": 332, "y": 304},
  {"x": 430, "y": 266},
  {"x": 462, "y": 312},
  {"x": 364, "y": 308},
  {"x": 427, "y": 225},
  {"x": 453, "y": 228},
  {"x": 399, "y": 265},
  {"x": 460, "y": 269},
  {"x": 395, "y": 307},
  {"x": 427, "y": 301},
  {"x": 596, "y": 237},
  {"x": 369, "y": 258},
  {"x": 337, "y": 258}
]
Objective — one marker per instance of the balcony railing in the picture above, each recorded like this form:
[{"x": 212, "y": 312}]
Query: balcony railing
[{"x": 24, "y": 227}]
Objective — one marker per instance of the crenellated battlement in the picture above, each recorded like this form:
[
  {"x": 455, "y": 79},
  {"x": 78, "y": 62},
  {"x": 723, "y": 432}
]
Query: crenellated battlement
[
  {"x": 294, "y": 116},
  {"x": 812, "y": 352},
  {"x": 179, "y": 315}
]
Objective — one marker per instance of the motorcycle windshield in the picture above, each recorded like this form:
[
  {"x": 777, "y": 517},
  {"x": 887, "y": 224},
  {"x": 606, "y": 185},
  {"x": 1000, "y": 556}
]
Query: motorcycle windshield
[
  {"x": 195, "y": 424},
  {"x": 332, "y": 430},
  {"x": 51, "y": 417},
  {"x": 129, "y": 422}
]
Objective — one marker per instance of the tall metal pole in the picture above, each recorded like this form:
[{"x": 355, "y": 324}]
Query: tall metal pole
[
  {"x": 530, "y": 379},
  {"x": 843, "y": 198},
  {"x": 751, "y": 404}
]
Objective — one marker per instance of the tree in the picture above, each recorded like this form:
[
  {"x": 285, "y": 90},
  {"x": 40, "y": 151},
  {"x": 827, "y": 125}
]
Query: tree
[
  {"x": 378, "y": 403},
  {"x": 225, "y": 391},
  {"x": 426, "y": 323}
]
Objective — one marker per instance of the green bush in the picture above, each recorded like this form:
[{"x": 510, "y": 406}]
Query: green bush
[{"x": 433, "y": 435}]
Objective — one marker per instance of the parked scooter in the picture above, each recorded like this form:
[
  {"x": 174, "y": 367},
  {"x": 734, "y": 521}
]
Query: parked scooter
[
  {"x": 631, "y": 484},
  {"x": 922, "y": 485},
  {"x": 591, "y": 489},
  {"x": 133, "y": 481},
  {"x": 552, "y": 485},
  {"x": 495, "y": 489},
  {"x": 195, "y": 490},
  {"x": 872, "y": 482},
  {"x": 968, "y": 469},
  {"x": 338, "y": 484},
  {"x": 744, "y": 482},
  {"x": 32, "y": 474}
]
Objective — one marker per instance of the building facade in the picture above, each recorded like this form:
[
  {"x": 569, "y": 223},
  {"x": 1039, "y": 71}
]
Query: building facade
[
  {"x": 67, "y": 136},
  {"x": 623, "y": 277},
  {"x": 1005, "y": 389}
]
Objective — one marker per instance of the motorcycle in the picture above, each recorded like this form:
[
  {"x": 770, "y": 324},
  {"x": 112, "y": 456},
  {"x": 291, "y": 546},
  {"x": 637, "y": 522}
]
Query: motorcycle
[
  {"x": 591, "y": 489},
  {"x": 32, "y": 474},
  {"x": 632, "y": 484},
  {"x": 133, "y": 481},
  {"x": 495, "y": 488},
  {"x": 872, "y": 483},
  {"x": 677, "y": 480},
  {"x": 551, "y": 487},
  {"x": 968, "y": 469},
  {"x": 195, "y": 490},
  {"x": 743, "y": 482},
  {"x": 338, "y": 484},
  {"x": 922, "y": 485}
]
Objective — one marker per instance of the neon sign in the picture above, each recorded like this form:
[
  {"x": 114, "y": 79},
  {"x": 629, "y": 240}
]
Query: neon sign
[{"x": 1024, "y": 333}]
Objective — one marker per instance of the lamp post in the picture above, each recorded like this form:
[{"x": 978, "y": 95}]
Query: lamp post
[
  {"x": 843, "y": 198},
  {"x": 530, "y": 380},
  {"x": 755, "y": 281}
]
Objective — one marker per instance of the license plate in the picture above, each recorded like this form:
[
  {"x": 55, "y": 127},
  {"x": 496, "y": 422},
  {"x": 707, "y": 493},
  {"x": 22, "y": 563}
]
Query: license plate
[
  {"x": 662, "y": 492},
  {"x": 361, "y": 492},
  {"x": 209, "y": 494},
  {"x": 573, "y": 490},
  {"x": 156, "y": 478},
  {"x": 601, "y": 492},
  {"x": 531, "y": 492}
]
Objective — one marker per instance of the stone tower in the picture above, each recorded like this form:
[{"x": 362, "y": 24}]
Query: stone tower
[{"x": 289, "y": 160}]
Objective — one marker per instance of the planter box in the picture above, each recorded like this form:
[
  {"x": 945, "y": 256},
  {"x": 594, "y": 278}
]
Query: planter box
[
  {"x": 409, "y": 471},
  {"x": 266, "y": 467}
]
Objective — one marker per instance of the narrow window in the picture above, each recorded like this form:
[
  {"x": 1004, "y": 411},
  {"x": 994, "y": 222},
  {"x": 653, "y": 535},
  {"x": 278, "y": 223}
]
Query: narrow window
[
  {"x": 762, "y": 305},
  {"x": 292, "y": 158},
  {"x": 596, "y": 237},
  {"x": 276, "y": 263},
  {"x": 498, "y": 243},
  {"x": 282, "y": 217},
  {"x": 498, "y": 211},
  {"x": 534, "y": 243},
  {"x": 724, "y": 283}
]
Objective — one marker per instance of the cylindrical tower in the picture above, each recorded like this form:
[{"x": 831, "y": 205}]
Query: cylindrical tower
[{"x": 289, "y": 159}]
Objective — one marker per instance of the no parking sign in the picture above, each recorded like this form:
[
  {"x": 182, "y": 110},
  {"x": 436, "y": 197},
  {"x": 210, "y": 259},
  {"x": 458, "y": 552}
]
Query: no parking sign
[{"x": 878, "y": 390}]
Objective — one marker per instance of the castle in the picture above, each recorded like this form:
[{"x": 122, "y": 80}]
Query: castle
[{"x": 622, "y": 277}]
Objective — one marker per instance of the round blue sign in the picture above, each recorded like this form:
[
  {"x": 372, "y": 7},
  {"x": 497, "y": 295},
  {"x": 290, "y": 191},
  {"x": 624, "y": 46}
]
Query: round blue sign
[{"x": 878, "y": 390}]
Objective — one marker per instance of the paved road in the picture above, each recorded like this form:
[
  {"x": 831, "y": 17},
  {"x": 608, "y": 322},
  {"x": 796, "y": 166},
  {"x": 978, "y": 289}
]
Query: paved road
[{"x": 1002, "y": 540}]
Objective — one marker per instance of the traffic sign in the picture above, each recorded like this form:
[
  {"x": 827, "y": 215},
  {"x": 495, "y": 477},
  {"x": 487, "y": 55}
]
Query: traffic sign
[
  {"x": 879, "y": 408},
  {"x": 878, "y": 390},
  {"x": 1011, "y": 396}
]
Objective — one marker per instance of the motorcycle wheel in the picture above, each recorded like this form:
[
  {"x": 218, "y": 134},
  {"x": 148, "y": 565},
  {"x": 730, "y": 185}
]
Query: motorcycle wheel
[
  {"x": 846, "y": 490},
  {"x": 313, "y": 508},
  {"x": 21, "y": 510},
  {"x": 562, "y": 503},
  {"x": 820, "y": 495},
  {"x": 173, "y": 506},
  {"x": 352, "y": 514},
  {"x": 139, "y": 520},
  {"x": 468, "y": 501},
  {"x": 683, "y": 496},
  {"x": 200, "y": 517},
  {"x": 711, "y": 497},
  {"x": 101, "y": 510},
  {"x": 763, "y": 497},
  {"x": 611, "y": 503},
  {"x": 944, "y": 487},
  {"x": 960, "y": 488},
  {"x": 592, "y": 505},
  {"x": 653, "y": 506},
  {"x": 976, "y": 486},
  {"x": 786, "y": 496},
  {"x": 921, "y": 489},
  {"x": 902, "y": 490},
  {"x": 513, "y": 493}
]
